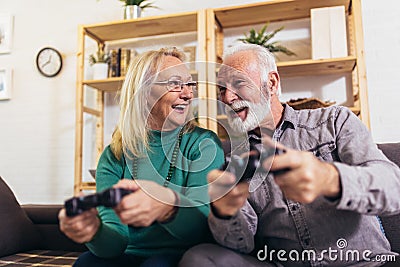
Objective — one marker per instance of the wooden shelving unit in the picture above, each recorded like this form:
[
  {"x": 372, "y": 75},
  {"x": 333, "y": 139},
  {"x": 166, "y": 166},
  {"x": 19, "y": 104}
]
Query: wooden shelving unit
[
  {"x": 210, "y": 25},
  {"x": 220, "y": 19},
  {"x": 118, "y": 31}
]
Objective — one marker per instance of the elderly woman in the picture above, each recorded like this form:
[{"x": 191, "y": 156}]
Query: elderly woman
[{"x": 159, "y": 153}]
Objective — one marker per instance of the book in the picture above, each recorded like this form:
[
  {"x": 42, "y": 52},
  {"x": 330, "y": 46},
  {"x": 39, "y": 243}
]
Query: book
[{"x": 113, "y": 69}]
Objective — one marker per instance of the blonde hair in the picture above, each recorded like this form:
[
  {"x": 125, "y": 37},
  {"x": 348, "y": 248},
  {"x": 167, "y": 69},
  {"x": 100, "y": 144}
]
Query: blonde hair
[{"x": 131, "y": 135}]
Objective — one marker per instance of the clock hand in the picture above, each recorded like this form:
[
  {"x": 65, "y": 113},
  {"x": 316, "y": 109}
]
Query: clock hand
[{"x": 47, "y": 62}]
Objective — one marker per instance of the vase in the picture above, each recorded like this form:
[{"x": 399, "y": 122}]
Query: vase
[
  {"x": 100, "y": 71},
  {"x": 132, "y": 12}
]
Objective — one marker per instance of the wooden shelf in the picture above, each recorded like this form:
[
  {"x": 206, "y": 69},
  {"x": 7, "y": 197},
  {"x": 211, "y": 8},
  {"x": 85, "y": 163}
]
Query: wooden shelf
[
  {"x": 142, "y": 27},
  {"x": 88, "y": 186},
  {"x": 276, "y": 10},
  {"x": 107, "y": 85},
  {"x": 316, "y": 67}
]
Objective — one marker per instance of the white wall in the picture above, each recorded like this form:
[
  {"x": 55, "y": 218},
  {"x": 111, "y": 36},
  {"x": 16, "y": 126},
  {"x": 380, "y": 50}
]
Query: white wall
[{"x": 37, "y": 124}]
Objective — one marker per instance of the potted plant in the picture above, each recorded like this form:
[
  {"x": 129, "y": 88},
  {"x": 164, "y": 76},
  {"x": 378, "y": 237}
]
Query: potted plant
[
  {"x": 133, "y": 8},
  {"x": 262, "y": 38},
  {"x": 99, "y": 62}
]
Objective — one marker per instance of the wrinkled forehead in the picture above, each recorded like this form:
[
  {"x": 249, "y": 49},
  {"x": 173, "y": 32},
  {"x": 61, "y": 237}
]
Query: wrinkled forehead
[
  {"x": 228, "y": 74},
  {"x": 176, "y": 70}
]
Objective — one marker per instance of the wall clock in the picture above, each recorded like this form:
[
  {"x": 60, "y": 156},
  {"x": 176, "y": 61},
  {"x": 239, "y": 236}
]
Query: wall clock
[{"x": 49, "y": 62}]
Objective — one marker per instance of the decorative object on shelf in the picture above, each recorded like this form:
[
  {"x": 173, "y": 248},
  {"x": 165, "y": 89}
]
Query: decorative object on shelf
[
  {"x": 49, "y": 62},
  {"x": 328, "y": 32},
  {"x": 6, "y": 29},
  {"x": 5, "y": 84},
  {"x": 261, "y": 38},
  {"x": 133, "y": 8},
  {"x": 190, "y": 53},
  {"x": 99, "y": 62},
  {"x": 309, "y": 103}
]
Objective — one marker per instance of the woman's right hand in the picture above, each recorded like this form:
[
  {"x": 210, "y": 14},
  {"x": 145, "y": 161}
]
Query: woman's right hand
[{"x": 81, "y": 228}]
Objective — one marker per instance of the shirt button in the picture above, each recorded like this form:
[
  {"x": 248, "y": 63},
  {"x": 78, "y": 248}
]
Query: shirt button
[
  {"x": 307, "y": 241},
  {"x": 349, "y": 203},
  {"x": 294, "y": 208}
]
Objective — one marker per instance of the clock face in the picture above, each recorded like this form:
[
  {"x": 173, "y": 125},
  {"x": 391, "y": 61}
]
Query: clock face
[{"x": 49, "y": 62}]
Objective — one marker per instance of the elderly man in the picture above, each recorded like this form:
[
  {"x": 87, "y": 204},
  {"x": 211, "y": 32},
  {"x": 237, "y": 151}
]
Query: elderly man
[{"x": 321, "y": 208}]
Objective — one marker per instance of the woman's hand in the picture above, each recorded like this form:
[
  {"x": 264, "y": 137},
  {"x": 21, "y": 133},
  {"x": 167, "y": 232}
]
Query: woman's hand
[
  {"x": 81, "y": 228},
  {"x": 148, "y": 203}
]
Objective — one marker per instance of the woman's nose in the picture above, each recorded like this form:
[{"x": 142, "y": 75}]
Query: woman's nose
[{"x": 186, "y": 92}]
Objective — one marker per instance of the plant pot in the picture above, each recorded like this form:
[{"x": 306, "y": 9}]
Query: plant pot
[
  {"x": 100, "y": 71},
  {"x": 132, "y": 12}
]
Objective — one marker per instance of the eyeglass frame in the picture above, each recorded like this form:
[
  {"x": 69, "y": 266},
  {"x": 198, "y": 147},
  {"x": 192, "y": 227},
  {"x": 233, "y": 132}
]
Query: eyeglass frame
[{"x": 189, "y": 84}]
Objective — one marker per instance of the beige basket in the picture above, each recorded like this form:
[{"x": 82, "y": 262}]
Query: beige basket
[{"x": 308, "y": 103}]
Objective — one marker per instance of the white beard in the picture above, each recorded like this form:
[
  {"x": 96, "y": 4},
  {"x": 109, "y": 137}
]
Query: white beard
[{"x": 255, "y": 114}]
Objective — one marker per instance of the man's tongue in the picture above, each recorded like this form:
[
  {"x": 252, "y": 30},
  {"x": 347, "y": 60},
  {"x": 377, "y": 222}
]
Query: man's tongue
[{"x": 242, "y": 113}]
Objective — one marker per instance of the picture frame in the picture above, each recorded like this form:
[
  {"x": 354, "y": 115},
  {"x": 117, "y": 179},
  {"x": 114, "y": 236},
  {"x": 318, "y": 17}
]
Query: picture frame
[
  {"x": 6, "y": 31},
  {"x": 190, "y": 53},
  {"x": 5, "y": 84}
]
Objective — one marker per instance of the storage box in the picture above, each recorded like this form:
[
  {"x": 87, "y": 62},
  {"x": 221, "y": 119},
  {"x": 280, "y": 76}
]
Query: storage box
[{"x": 328, "y": 32}]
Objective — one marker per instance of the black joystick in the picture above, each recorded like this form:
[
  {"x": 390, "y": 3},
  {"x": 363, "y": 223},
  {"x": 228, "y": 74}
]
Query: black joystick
[
  {"x": 107, "y": 198},
  {"x": 244, "y": 165}
]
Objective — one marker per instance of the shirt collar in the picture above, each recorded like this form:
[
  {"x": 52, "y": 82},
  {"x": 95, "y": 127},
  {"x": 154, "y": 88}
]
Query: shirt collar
[{"x": 290, "y": 116}]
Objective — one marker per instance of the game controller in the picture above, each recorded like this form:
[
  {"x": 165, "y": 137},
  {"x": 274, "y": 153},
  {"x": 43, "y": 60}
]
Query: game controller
[
  {"x": 244, "y": 165},
  {"x": 107, "y": 198}
]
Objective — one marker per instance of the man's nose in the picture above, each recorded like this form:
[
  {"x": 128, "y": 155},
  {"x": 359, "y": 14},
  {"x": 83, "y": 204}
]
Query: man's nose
[{"x": 230, "y": 96}]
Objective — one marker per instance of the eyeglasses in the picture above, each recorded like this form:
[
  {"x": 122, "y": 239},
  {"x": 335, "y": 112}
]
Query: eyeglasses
[{"x": 177, "y": 85}]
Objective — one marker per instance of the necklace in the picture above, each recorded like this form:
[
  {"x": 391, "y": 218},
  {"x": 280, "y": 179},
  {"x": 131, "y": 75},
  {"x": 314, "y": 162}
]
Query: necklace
[{"x": 172, "y": 165}]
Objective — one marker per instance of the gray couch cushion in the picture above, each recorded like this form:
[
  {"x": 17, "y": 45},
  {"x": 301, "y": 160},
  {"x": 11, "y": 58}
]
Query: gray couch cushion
[
  {"x": 391, "y": 224},
  {"x": 17, "y": 232}
]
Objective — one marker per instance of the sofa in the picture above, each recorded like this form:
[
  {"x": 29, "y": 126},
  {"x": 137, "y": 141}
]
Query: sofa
[{"x": 30, "y": 236}]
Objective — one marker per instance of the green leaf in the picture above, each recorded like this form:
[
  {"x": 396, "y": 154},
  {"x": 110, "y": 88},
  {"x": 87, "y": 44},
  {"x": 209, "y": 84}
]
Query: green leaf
[{"x": 262, "y": 38}]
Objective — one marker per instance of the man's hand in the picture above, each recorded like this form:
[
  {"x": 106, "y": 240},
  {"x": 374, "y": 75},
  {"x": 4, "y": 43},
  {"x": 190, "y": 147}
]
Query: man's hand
[
  {"x": 227, "y": 198},
  {"x": 307, "y": 177},
  {"x": 148, "y": 203},
  {"x": 81, "y": 228}
]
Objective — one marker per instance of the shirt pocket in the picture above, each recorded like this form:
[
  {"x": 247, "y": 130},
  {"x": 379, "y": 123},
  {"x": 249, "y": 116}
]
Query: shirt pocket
[{"x": 324, "y": 151}]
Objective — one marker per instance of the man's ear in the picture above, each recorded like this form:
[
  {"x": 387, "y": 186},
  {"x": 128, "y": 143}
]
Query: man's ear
[{"x": 273, "y": 82}]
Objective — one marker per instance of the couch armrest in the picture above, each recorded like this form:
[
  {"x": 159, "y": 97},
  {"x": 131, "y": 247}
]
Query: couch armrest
[{"x": 45, "y": 218}]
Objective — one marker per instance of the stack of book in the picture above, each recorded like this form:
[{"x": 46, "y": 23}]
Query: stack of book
[{"x": 119, "y": 61}]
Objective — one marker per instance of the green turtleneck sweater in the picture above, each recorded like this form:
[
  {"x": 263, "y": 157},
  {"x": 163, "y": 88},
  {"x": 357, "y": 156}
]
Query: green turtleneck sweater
[{"x": 200, "y": 152}]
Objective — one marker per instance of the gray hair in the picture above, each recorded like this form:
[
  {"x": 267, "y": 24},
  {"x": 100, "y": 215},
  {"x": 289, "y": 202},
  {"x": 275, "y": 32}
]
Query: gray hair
[{"x": 265, "y": 59}]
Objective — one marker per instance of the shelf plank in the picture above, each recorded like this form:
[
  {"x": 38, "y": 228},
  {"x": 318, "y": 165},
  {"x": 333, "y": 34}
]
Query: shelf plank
[
  {"x": 141, "y": 27},
  {"x": 108, "y": 85},
  {"x": 316, "y": 67},
  {"x": 275, "y": 10},
  {"x": 88, "y": 186}
]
